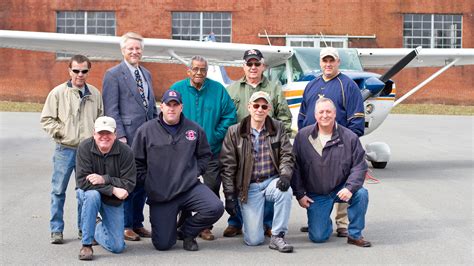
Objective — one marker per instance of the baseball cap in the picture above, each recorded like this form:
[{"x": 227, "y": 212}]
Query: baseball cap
[
  {"x": 253, "y": 53},
  {"x": 329, "y": 51},
  {"x": 105, "y": 123},
  {"x": 171, "y": 95},
  {"x": 260, "y": 95}
]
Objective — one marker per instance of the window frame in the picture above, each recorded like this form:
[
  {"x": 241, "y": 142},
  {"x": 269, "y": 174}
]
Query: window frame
[
  {"x": 184, "y": 27},
  {"x": 432, "y": 30}
]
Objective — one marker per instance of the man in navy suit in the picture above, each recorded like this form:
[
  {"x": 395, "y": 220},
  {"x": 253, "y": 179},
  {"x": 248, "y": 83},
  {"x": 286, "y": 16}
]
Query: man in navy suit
[{"x": 128, "y": 98}]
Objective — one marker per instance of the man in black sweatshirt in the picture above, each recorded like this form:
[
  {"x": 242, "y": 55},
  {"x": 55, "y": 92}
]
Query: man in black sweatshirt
[{"x": 171, "y": 152}]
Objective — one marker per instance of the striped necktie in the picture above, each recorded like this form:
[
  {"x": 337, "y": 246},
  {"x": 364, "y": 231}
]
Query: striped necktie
[{"x": 139, "y": 81}]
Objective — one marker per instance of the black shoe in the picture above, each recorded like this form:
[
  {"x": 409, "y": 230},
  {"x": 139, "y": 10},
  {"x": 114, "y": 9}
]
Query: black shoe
[
  {"x": 179, "y": 234},
  {"x": 304, "y": 229},
  {"x": 190, "y": 244}
]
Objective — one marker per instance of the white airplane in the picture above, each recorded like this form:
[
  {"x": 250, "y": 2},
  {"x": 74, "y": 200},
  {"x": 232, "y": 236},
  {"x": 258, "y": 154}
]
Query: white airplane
[{"x": 293, "y": 67}]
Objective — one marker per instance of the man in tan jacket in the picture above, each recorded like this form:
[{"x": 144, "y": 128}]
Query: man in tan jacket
[{"x": 68, "y": 117}]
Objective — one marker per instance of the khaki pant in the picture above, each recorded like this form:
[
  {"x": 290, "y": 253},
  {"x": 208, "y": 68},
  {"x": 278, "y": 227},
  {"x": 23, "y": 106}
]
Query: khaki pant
[{"x": 342, "y": 221}]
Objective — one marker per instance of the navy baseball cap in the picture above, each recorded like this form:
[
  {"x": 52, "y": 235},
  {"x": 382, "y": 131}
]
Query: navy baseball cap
[
  {"x": 253, "y": 53},
  {"x": 171, "y": 95}
]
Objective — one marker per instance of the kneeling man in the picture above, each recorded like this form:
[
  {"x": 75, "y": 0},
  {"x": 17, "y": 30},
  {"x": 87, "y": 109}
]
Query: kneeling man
[
  {"x": 171, "y": 152},
  {"x": 257, "y": 165},
  {"x": 105, "y": 175},
  {"x": 330, "y": 167}
]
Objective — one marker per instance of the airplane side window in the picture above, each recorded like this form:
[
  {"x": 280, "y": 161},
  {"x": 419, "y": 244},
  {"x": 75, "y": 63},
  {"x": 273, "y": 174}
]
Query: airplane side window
[
  {"x": 296, "y": 69},
  {"x": 278, "y": 74}
]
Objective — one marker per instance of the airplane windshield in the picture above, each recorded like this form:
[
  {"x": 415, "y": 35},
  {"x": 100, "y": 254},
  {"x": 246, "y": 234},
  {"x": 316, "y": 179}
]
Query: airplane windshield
[
  {"x": 305, "y": 65},
  {"x": 308, "y": 59}
]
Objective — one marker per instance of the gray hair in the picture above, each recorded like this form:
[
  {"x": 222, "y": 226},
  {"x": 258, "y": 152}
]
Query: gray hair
[
  {"x": 199, "y": 59},
  {"x": 131, "y": 35},
  {"x": 324, "y": 100}
]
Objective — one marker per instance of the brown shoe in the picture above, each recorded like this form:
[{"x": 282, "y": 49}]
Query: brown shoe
[
  {"x": 206, "y": 234},
  {"x": 268, "y": 232},
  {"x": 341, "y": 232},
  {"x": 129, "y": 235},
  {"x": 142, "y": 232},
  {"x": 232, "y": 231},
  {"x": 86, "y": 253},
  {"x": 359, "y": 242}
]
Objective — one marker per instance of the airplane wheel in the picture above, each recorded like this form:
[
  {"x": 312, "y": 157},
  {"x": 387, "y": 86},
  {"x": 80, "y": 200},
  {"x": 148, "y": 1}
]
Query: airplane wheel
[{"x": 379, "y": 165}]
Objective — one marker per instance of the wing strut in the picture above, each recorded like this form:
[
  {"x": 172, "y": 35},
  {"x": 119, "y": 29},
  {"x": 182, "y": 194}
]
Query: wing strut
[
  {"x": 180, "y": 59},
  {"x": 415, "y": 89}
]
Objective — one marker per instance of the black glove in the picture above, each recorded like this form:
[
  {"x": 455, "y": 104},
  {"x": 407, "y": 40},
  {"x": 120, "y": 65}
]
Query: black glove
[
  {"x": 230, "y": 205},
  {"x": 283, "y": 184}
]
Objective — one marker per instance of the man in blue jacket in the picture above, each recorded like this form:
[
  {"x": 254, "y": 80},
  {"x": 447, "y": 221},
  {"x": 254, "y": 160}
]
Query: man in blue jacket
[
  {"x": 171, "y": 152},
  {"x": 330, "y": 167},
  {"x": 207, "y": 103}
]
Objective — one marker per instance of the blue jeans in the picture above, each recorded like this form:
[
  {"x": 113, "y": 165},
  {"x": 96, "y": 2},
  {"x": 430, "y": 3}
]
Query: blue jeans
[
  {"x": 64, "y": 161},
  {"x": 133, "y": 208},
  {"x": 253, "y": 210},
  {"x": 319, "y": 221},
  {"x": 236, "y": 221},
  {"x": 109, "y": 232}
]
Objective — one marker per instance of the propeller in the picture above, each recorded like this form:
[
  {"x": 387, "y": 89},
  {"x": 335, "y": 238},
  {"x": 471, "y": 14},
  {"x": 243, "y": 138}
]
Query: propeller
[{"x": 374, "y": 86}]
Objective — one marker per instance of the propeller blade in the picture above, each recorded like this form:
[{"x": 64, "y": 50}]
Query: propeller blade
[{"x": 400, "y": 65}]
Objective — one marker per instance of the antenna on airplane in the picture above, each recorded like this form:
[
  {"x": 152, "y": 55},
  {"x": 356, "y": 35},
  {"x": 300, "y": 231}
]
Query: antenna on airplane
[
  {"x": 268, "y": 38},
  {"x": 324, "y": 40}
]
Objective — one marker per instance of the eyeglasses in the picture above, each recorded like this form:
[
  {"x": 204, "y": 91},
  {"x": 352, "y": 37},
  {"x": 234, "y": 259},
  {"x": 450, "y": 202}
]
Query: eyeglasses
[
  {"x": 256, "y": 64},
  {"x": 256, "y": 106},
  {"x": 77, "y": 71},
  {"x": 197, "y": 69}
]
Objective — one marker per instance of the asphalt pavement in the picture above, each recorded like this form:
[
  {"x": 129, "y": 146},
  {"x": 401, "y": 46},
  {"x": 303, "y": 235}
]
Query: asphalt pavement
[{"x": 420, "y": 213}]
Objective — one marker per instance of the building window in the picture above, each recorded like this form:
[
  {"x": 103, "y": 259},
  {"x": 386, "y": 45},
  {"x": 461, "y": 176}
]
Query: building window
[
  {"x": 85, "y": 22},
  {"x": 432, "y": 31},
  {"x": 197, "y": 26},
  {"x": 316, "y": 42}
]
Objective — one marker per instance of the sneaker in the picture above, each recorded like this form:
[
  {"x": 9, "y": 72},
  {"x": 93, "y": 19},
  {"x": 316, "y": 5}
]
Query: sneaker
[
  {"x": 190, "y": 244},
  {"x": 56, "y": 238},
  {"x": 278, "y": 242},
  {"x": 86, "y": 253}
]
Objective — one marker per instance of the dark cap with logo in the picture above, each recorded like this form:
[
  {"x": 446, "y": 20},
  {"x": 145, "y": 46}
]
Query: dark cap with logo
[
  {"x": 253, "y": 53},
  {"x": 171, "y": 95}
]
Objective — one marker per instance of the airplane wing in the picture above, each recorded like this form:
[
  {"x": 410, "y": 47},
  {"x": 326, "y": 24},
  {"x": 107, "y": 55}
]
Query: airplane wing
[
  {"x": 225, "y": 54},
  {"x": 387, "y": 57},
  {"x": 156, "y": 50}
]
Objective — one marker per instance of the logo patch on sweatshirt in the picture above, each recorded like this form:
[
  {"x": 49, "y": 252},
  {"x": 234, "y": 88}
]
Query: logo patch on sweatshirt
[{"x": 191, "y": 135}]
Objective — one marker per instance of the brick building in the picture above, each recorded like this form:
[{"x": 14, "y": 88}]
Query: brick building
[{"x": 29, "y": 76}]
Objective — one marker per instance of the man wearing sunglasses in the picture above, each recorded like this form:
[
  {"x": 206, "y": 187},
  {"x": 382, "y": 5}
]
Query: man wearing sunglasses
[
  {"x": 207, "y": 103},
  {"x": 128, "y": 98},
  {"x": 257, "y": 165},
  {"x": 68, "y": 117},
  {"x": 240, "y": 92}
]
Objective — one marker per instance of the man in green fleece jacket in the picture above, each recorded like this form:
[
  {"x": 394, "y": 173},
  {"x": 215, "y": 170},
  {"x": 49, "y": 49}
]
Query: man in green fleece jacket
[{"x": 207, "y": 103}]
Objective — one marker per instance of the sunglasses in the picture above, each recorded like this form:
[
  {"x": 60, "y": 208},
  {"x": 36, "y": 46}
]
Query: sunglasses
[
  {"x": 256, "y": 106},
  {"x": 256, "y": 64},
  {"x": 77, "y": 71}
]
